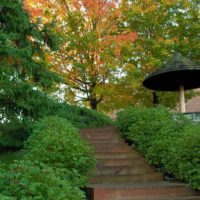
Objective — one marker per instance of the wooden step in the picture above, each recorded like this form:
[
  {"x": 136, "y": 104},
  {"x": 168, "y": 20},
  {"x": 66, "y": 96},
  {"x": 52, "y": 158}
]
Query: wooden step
[
  {"x": 126, "y": 178},
  {"x": 144, "y": 191}
]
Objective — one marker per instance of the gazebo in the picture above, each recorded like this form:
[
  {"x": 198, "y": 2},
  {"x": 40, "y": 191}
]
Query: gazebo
[{"x": 178, "y": 74}]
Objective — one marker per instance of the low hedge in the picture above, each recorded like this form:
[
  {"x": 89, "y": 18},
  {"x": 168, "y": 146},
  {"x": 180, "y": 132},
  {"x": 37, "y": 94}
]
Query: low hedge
[
  {"x": 170, "y": 142},
  {"x": 58, "y": 144},
  {"x": 14, "y": 133},
  {"x": 56, "y": 164},
  {"x": 36, "y": 181},
  {"x": 80, "y": 117},
  {"x": 188, "y": 156}
]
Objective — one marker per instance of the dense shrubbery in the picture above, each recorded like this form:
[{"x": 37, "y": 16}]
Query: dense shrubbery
[
  {"x": 80, "y": 117},
  {"x": 35, "y": 180},
  {"x": 13, "y": 134},
  {"x": 167, "y": 141},
  {"x": 188, "y": 156},
  {"x": 58, "y": 144},
  {"x": 57, "y": 162}
]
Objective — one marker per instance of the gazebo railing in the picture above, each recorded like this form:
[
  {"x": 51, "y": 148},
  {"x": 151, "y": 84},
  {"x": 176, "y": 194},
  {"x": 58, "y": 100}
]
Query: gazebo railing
[{"x": 194, "y": 116}]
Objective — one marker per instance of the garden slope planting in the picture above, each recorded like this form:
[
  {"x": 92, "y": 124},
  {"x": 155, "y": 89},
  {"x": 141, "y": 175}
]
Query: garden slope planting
[{"x": 123, "y": 174}]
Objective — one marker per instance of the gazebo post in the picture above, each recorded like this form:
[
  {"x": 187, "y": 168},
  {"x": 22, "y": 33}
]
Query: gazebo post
[{"x": 181, "y": 99}]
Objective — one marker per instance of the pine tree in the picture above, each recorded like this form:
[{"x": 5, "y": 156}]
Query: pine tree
[{"x": 23, "y": 70}]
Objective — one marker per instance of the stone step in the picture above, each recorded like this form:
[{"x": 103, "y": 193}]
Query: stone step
[
  {"x": 115, "y": 148},
  {"x": 113, "y": 155},
  {"x": 121, "y": 162},
  {"x": 124, "y": 170},
  {"x": 143, "y": 191},
  {"x": 99, "y": 130},
  {"x": 107, "y": 137},
  {"x": 104, "y": 140},
  {"x": 160, "y": 198},
  {"x": 110, "y": 145},
  {"x": 123, "y": 174},
  {"x": 126, "y": 178}
]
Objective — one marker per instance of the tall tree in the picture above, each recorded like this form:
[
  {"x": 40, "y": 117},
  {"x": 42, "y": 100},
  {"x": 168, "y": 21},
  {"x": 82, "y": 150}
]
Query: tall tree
[
  {"x": 93, "y": 59},
  {"x": 164, "y": 27},
  {"x": 23, "y": 68}
]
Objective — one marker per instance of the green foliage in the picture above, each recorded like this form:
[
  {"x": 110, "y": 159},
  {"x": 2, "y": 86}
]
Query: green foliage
[
  {"x": 168, "y": 141},
  {"x": 9, "y": 157},
  {"x": 58, "y": 144},
  {"x": 24, "y": 70},
  {"x": 12, "y": 135},
  {"x": 80, "y": 117},
  {"x": 164, "y": 27},
  {"x": 152, "y": 130},
  {"x": 188, "y": 156},
  {"x": 37, "y": 181}
]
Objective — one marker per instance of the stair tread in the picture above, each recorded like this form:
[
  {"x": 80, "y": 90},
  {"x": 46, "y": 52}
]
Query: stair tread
[
  {"x": 162, "y": 198},
  {"x": 138, "y": 185}
]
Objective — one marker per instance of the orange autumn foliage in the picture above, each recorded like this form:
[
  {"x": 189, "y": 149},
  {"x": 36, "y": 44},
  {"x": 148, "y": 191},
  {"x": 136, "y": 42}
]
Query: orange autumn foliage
[{"x": 91, "y": 57}]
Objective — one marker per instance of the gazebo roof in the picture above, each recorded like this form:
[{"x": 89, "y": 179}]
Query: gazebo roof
[{"x": 178, "y": 71}]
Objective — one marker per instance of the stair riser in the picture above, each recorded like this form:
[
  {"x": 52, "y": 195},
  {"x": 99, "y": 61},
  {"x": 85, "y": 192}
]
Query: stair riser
[
  {"x": 91, "y": 140},
  {"x": 121, "y": 162},
  {"x": 99, "y": 133},
  {"x": 142, "y": 193},
  {"x": 119, "y": 149},
  {"x": 108, "y": 138},
  {"x": 161, "y": 198},
  {"x": 110, "y": 145},
  {"x": 118, "y": 155},
  {"x": 101, "y": 130},
  {"x": 124, "y": 171},
  {"x": 127, "y": 179}
]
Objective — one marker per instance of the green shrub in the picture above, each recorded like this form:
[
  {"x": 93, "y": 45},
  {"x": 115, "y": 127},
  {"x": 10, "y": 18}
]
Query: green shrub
[
  {"x": 14, "y": 133},
  {"x": 36, "y": 181},
  {"x": 80, "y": 117},
  {"x": 188, "y": 156},
  {"x": 154, "y": 132},
  {"x": 58, "y": 144},
  {"x": 168, "y": 141}
]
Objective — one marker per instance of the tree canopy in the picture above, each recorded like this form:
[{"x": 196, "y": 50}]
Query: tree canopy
[
  {"x": 163, "y": 27},
  {"x": 109, "y": 47},
  {"x": 94, "y": 57}
]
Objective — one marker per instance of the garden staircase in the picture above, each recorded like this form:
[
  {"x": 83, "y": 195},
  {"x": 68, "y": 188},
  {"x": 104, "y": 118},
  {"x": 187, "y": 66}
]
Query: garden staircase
[{"x": 123, "y": 174}]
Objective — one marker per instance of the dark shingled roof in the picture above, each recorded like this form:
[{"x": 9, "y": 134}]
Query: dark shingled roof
[{"x": 178, "y": 71}]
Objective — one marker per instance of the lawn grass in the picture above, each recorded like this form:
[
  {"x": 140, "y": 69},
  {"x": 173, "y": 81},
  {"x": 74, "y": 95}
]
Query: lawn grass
[{"x": 8, "y": 157}]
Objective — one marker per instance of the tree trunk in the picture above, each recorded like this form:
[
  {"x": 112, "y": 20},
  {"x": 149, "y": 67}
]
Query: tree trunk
[{"x": 93, "y": 104}]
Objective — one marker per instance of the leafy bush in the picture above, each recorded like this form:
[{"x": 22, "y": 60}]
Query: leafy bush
[
  {"x": 34, "y": 180},
  {"x": 188, "y": 156},
  {"x": 170, "y": 142},
  {"x": 58, "y": 144},
  {"x": 80, "y": 117},
  {"x": 14, "y": 133}
]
